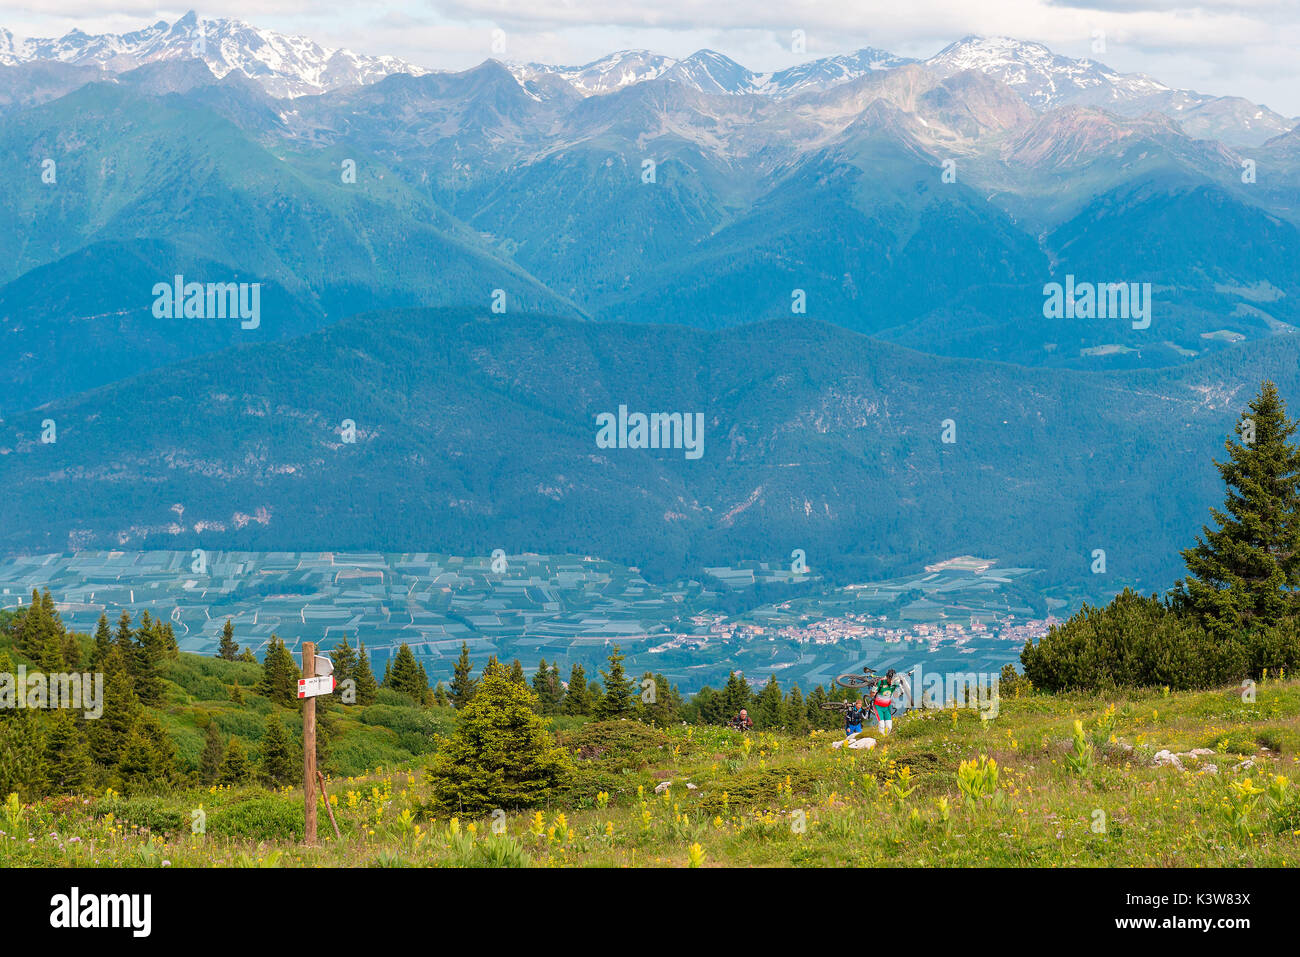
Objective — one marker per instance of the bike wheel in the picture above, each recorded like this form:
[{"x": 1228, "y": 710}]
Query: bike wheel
[{"x": 855, "y": 681}]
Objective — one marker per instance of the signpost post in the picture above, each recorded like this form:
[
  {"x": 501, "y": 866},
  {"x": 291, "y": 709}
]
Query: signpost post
[{"x": 309, "y": 740}]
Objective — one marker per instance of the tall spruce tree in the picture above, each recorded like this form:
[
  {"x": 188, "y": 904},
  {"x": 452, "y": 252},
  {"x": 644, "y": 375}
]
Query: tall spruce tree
[
  {"x": 280, "y": 765},
  {"x": 407, "y": 676},
  {"x": 345, "y": 661},
  {"x": 617, "y": 701},
  {"x": 367, "y": 687},
  {"x": 103, "y": 642},
  {"x": 577, "y": 701},
  {"x": 769, "y": 709},
  {"x": 1241, "y": 574},
  {"x": 280, "y": 674},
  {"x": 210, "y": 758},
  {"x": 228, "y": 648},
  {"x": 463, "y": 681}
]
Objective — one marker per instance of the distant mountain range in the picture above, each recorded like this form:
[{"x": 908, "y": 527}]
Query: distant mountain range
[
  {"x": 825, "y": 262},
  {"x": 291, "y": 66}
]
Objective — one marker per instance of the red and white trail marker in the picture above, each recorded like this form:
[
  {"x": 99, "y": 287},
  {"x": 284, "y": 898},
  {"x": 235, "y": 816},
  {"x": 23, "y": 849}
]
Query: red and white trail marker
[{"x": 311, "y": 687}]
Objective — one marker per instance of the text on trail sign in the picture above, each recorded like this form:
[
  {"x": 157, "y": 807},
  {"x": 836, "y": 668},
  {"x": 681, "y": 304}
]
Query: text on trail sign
[{"x": 311, "y": 687}]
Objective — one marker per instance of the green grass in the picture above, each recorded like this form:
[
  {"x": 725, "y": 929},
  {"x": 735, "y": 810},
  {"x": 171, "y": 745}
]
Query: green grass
[{"x": 770, "y": 799}]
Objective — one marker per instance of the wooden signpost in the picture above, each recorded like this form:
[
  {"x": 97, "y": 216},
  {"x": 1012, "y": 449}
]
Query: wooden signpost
[
  {"x": 309, "y": 740},
  {"x": 311, "y": 685}
]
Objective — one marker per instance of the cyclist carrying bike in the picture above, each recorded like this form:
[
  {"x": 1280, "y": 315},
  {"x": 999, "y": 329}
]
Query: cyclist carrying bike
[
  {"x": 883, "y": 701},
  {"x": 853, "y": 718}
]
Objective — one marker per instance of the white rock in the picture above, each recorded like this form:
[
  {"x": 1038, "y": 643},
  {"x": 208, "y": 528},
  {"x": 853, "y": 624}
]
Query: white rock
[
  {"x": 1210, "y": 769},
  {"x": 1166, "y": 758},
  {"x": 1200, "y": 751},
  {"x": 691, "y": 787},
  {"x": 663, "y": 786},
  {"x": 860, "y": 743}
]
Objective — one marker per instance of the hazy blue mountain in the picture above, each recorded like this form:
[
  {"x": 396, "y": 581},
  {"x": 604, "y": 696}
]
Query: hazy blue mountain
[{"x": 481, "y": 433}]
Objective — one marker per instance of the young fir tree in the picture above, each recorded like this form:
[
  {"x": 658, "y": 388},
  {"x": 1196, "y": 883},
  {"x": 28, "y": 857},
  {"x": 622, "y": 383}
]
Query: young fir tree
[
  {"x": 148, "y": 761},
  {"x": 440, "y": 696},
  {"x": 501, "y": 755},
  {"x": 67, "y": 758},
  {"x": 576, "y": 699},
  {"x": 367, "y": 687},
  {"x": 463, "y": 682},
  {"x": 546, "y": 686},
  {"x": 769, "y": 708},
  {"x": 103, "y": 643},
  {"x": 659, "y": 703},
  {"x": 796, "y": 714},
  {"x": 617, "y": 701},
  {"x": 235, "y": 768},
  {"x": 736, "y": 695},
  {"x": 407, "y": 676},
  {"x": 70, "y": 651},
  {"x": 124, "y": 641},
  {"x": 517, "y": 672},
  {"x": 228, "y": 648},
  {"x": 1241, "y": 574},
  {"x": 108, "y": 734},
  {"x": 280, "y": 765},
  {"x": 280, "y": 674},
  {"x": 345, "y": 661},
  {"x": 22, "y": 744},
  {"x": 213, "y": 751}
]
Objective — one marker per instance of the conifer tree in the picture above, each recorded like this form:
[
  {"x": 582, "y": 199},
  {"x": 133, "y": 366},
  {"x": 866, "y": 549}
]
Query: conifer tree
[
  {"x": 577, "y": 701},
  {"x": 148, "y": 760},
  {"x": 213, "y": 751},
  {"x": 768, "y": 708},
  {"x": 546, "y": 686},
  {"x": 517, "y": 672},
  {"x": 22, "y": 745},
  {"x": 67, "y": 758},
  {"x": 1241, "y": 574},
  {"x": 463, "y": 682},
  {"x": 103, "y": 643},
  {"x": 367, "y": 687},
  {"x": 70, "y": 652},
  {"x": 108, "y": 734},
  {"x": 407, "y": 676},
  {"x": 280, "y": 766},
  {"x": 440, "y": 696},
  {"x": 228, "y": 648},
  {"x": 796, "y": 713},
  {"x": 345, "y": 661},
  {"x": 736, "y": 695},
  {"x": 235, "y": 768},
  {"x": 617, "y": 701},
  {"x": 280, "y": 674},
  {"x": 501, "y": 755}
]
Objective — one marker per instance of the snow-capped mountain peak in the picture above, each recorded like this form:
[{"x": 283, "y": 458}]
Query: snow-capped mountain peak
[
  {"x": 1042, "y": 78},
  {"x": 283, "y": 65}
]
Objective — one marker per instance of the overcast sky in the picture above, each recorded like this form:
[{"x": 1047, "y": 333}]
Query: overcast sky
[{"x": 1247, "y": 48}]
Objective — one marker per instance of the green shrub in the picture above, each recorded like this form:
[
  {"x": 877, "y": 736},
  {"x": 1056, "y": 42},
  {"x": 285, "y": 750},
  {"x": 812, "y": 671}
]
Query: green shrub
[
  {"x": 616, "y": 744},
  {"x": 1133, "y": 642},
  {"x": 271, "y": 818},
  {"x": 159, "y": 814}
]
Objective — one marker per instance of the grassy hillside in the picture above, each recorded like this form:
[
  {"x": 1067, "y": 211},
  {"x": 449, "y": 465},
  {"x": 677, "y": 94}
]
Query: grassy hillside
[{"x": 929, "y": 796}]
